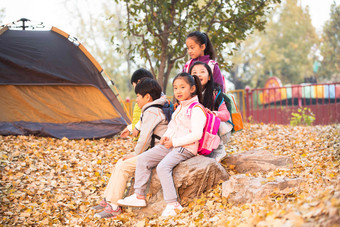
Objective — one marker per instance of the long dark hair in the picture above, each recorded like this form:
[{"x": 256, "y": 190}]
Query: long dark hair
[
  {"x": 192, "y": 81},
  {"x": 211, "y": 87},
  {"x": 202, "y": 38}
]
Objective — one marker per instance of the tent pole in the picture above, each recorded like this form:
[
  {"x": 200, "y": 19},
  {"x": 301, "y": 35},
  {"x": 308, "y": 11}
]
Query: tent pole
[{"x": 126, "y": 110}]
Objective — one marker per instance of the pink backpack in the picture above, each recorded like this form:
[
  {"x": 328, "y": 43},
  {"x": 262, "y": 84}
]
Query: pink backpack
[{"x": 210, "y": 140}]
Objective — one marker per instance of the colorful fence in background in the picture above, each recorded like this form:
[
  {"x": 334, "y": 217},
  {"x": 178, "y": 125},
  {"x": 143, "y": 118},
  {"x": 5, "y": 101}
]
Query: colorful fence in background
[
  {"x": 276, "y": 104},
  {"x": 240, "y": 100},
  {"x": 238, "y": 94}
]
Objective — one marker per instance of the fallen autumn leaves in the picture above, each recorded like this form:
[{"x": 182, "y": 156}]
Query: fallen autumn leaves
[{"x": 48, "y": 181}]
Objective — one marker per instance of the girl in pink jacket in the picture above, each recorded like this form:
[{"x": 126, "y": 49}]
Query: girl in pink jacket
[
  {"x": 213, "y": 100},
  {"x": 179, "y": 143}
]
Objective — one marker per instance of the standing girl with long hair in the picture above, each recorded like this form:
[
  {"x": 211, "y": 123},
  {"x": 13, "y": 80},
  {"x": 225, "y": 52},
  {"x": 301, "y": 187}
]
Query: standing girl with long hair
[{"x": 201, "y": 49}]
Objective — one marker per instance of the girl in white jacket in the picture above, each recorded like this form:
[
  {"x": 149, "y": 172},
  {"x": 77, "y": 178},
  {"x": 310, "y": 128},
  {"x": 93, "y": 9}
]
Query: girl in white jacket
[{"x": 179, "y": 143}]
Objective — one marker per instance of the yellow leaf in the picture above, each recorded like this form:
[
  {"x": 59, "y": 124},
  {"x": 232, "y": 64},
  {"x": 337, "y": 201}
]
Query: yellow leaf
[
  {"x": 270, "y": 213},
  {"x": 141, "y": 223},
  {"x": 191, "y": 205},
  {"x": 83, "y": 208},
  {"x": 45, "y": 221},
  {"x": 271, "y": 178},
  {"x": 25, "y": 214}
]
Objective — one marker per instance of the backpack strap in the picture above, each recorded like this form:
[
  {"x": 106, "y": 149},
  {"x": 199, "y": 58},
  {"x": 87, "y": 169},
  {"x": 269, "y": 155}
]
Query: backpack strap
[
  {"x": 153, "y": 136},
  {"x": 230, "y": 122},
  {"x": 219, "y": 93},
  {"x": 187, "y": 66},
  {"x": 153, "y": 139},
  {"x": 153, "y": 105},
  {"x": 235, "y": 103},
  {"x": 212, "y": 64},
  {"x": 192, "y": 105}
]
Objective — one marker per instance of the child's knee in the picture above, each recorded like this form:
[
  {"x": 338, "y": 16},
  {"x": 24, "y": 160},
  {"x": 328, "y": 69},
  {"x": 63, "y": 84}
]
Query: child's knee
[
  {"x": 119, "y": 163},
  {"x": 158, "y": 169},
  {"x": 142, "y": 159},
  {"x": 125, "y": 166},
  {"x": 162, "y": 168},
  {"x": 122, "y": 165}
]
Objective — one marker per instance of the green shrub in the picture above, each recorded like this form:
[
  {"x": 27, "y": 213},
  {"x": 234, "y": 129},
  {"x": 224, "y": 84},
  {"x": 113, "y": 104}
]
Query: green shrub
[{"x": 304, "y": 117}]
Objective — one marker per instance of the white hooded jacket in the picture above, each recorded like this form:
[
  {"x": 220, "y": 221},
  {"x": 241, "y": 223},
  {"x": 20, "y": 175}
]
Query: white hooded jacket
[{"x": 152, "y": 121}]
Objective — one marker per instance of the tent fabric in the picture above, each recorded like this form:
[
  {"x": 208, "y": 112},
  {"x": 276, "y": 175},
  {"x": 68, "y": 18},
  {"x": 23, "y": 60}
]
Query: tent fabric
[
  {"x": 54, "y": 104},
  {"x": 80, "y": 130},
  {"x": 49, "y": 86}
]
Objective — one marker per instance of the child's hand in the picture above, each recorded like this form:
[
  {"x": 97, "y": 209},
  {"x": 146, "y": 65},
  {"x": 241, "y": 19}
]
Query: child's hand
[
  {"x": 209, "y": 111},
  {"x": 128, "y": 156},
  {"x": 135, "y": 132},
  {"x": 168, "y": 143},
  {"x": 163, "y": 139},
  {"x": 124, "y": 133}
]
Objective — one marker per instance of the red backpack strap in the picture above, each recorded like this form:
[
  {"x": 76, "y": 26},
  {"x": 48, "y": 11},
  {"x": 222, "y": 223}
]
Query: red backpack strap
[{"x": 187, "y": 66}]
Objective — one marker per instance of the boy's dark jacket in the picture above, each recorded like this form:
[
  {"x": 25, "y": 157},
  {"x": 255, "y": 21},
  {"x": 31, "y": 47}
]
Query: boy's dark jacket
[{"x": 152, "y": 121}]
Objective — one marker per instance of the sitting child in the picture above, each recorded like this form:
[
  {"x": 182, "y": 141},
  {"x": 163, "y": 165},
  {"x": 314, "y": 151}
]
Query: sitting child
[
  {"x": 135, "y": 78},
  {"x": 153, "y": 124},
  {"x": 214, "y": 102},
  {"x": 179, "y": 143}
]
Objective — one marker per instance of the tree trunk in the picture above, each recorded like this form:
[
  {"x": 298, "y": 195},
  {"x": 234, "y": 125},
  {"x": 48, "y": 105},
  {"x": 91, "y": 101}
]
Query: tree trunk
[{"x": 167, "y": 74}]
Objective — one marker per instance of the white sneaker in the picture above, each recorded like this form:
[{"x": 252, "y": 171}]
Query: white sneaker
[
  {"x": 132, "y": 201},
  {"x": 220, "y": 156},
  {"x": 172, "y": 210}
]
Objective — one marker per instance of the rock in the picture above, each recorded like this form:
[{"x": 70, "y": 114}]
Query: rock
[
  {"x": 192, "y": 177},
  {"x": 243, "y": 189},
  {"x": 257, "y": 161}
]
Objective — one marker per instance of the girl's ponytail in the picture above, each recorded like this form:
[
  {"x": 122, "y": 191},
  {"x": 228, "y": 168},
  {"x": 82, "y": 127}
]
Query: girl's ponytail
[
  {"x": 209, "y": 49},
  {"x": 198, "y": 88}
]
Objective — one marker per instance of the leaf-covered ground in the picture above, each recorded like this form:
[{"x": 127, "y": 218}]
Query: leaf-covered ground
[{"x": 46, "y": 181}]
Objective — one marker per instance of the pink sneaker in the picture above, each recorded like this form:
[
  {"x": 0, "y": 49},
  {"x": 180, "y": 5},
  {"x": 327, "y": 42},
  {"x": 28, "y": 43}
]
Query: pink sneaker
[
  {"x": 101, "y": 205},
  {"x": 108, "y": 212}
]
